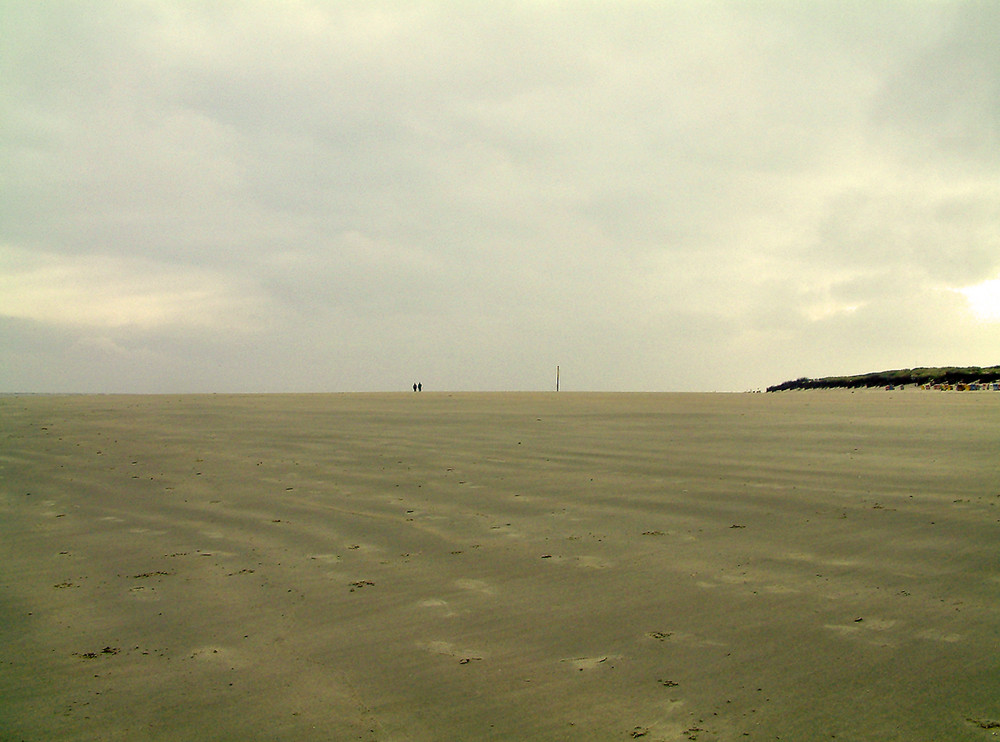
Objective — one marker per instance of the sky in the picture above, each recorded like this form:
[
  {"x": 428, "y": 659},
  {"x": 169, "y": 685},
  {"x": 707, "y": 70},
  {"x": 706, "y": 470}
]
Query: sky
[{"x": 351, "y": 196}]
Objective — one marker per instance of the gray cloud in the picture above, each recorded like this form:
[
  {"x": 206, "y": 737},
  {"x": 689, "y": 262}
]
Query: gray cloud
[
  {"x": 946, "y": 98},
  {"x": 652, "y": 195}
]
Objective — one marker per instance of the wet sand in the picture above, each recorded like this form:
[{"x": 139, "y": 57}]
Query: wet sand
[{"x": 797, "y": 566}]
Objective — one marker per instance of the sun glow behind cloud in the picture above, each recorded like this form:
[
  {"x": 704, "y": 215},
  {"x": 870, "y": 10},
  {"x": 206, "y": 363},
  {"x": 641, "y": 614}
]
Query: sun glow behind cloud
[{"x": 984, "y": 300}]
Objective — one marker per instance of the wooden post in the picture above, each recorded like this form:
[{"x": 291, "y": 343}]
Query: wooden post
[{"x": 557, "y": 378}]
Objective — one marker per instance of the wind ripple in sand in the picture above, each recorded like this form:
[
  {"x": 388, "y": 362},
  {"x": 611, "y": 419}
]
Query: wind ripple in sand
[
  {"x": 437, "y": 604},
  {"x": 219, "y": 654},
  {"x": 476, "y": 586},
  {"x": 326, "y": 558},
  {"x": 449, "y": 650},
  {"x": 939, "y": 636},
  {"x": 592, "y": 663}
]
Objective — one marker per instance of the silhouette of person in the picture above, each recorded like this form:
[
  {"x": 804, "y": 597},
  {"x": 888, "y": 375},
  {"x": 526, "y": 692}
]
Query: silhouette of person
[
  {"x": 420, "y": 387},
  {"x": 414, "y": 387}
]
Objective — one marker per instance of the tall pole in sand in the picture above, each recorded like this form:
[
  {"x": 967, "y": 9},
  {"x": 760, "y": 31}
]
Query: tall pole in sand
[{"x": 557, "y": 378}]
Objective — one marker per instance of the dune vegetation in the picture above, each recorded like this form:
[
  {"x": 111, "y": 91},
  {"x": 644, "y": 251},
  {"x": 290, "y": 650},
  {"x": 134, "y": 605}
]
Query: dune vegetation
[{"x": 898, "y": 377}]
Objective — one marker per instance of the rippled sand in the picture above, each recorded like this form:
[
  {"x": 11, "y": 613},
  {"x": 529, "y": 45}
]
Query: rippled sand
[{"x": 801, "y": 566}]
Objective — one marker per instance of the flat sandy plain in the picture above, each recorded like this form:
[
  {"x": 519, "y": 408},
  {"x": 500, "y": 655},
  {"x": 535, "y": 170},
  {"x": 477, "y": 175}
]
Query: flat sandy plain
[{"x": 797, "y": 566}]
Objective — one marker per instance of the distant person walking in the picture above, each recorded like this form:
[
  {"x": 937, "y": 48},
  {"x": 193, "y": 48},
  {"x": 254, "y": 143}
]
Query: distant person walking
[
  {"x": 420, "y": 387},
  {"x": 414, "y": 387}
]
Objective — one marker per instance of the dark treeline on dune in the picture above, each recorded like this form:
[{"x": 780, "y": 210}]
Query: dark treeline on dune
[{"x": 899, "y": 377}]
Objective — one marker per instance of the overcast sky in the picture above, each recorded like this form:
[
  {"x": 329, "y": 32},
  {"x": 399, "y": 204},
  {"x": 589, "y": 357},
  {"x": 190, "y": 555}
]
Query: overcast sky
[{"x": 354, "y": 196}]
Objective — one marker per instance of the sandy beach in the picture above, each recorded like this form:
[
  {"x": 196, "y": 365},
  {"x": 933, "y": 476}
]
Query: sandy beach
[{"x": 508, "y": 566}]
